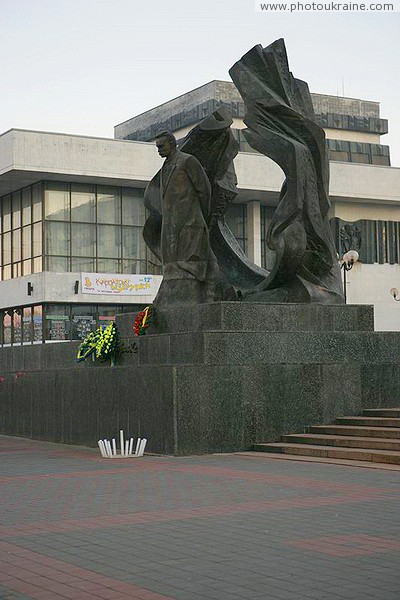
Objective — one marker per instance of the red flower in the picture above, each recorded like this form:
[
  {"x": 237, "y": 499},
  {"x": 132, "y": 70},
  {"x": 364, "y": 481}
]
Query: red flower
[{"x": 142, "y": 321}]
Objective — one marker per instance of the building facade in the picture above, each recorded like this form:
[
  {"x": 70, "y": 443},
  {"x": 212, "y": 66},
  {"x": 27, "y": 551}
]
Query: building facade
[
  {"x": 71, "y": 206},
  {"x": 353, "y": 128}
]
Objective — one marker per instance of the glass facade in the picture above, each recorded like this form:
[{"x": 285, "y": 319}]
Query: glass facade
[
  {"x": 21, "y": 232},
  {"x": 267, "y": 257},
  {"x": 56, "y": 322},
  {"x": 236, "y": 219},
  {"x": 58, "y": 226}
]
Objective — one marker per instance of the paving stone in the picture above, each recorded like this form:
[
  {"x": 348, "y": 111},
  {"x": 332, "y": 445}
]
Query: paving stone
[{"x": 222, "y": 527}]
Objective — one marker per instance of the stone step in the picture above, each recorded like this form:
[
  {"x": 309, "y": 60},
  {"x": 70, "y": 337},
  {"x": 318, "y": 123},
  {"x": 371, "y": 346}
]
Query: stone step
[
  {"x": 343, "y": 441},
  {"x": 379, "y": 456},
  {"x": 368, "y": 421},
  {"x": 382, "y": 412},
  {"x": 352, "y": 430}
]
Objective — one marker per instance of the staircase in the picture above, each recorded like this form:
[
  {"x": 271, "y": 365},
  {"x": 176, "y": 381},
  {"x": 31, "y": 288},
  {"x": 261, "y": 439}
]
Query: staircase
[{"x": 373, "y": 436}]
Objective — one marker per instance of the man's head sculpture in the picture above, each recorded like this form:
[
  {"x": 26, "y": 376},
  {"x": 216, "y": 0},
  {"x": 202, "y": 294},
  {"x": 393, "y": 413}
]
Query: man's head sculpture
[{"x": 166, "y": 144}]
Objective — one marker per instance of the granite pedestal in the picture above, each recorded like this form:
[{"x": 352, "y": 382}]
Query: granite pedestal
[
  {"x": 215, "y": 378},
  {"x": 241, "y": 373}
]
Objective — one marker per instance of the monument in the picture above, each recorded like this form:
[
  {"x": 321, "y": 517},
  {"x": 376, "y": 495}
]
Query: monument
[
  {"x": 186, "y": 229},
  {"x": 237, "y": 355}
]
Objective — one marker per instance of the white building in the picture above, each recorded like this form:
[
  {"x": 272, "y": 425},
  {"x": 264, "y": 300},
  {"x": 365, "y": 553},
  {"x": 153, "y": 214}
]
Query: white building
[{"x": 72, "y": 205}]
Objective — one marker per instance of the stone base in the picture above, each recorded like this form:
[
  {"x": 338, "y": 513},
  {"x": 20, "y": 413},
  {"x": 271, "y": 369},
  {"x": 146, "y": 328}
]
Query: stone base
[
  {"x": 243, "y": 373},
  {"x": 229, "y": 375}
]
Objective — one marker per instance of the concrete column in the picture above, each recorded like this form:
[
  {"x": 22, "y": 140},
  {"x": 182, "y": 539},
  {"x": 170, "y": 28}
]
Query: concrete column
[{"x": 254, "y": 232}]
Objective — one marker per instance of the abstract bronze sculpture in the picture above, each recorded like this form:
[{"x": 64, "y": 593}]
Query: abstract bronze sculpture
[{"x": 281, "y": 125}]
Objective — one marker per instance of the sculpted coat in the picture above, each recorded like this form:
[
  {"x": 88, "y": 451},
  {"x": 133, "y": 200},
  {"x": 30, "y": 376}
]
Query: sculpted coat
[{"x": 178, "y": 200}]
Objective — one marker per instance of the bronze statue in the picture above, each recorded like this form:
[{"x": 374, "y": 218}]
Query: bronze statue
[
  {"x": 178, "y": 199},
  {"x": 187, "y": 199}
]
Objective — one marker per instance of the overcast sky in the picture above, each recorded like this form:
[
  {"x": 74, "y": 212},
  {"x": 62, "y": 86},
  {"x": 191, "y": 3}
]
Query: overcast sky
[{"x": 82, "y": 66}]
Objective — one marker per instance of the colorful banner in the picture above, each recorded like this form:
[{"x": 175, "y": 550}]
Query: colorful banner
[{"x": 120, "y": 285}]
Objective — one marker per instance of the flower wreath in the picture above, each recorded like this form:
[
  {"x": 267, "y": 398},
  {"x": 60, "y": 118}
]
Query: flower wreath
[
  {"x": 88, "y": 346},
  {"x": 103, "y": 342},
  {"x": 107, "y": 343},
  {"x": 143, "y": 321}
]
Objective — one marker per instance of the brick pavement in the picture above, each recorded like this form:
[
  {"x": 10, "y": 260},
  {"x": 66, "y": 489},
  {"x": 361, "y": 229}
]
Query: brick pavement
[{"x": 75, "y": 526}]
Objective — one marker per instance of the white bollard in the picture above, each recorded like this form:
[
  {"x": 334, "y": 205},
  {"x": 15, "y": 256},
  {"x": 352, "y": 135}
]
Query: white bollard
[
  {"x": 102, "y": 450},
  {"x": 142, "y": 447},
  {"x": 106, "y": 445},
  {"x": 108, "y": 449},
  {"x": 121, "y": 437},
  {"x": 110, "y": 452}
]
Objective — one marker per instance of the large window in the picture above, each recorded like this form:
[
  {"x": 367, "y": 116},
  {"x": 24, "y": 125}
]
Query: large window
[
  {"x": 58, "y": 226},
  {"x": 21, "y": 232},
  {"x": 95, "y": 228},
  {"x": 56, "y": 322}
]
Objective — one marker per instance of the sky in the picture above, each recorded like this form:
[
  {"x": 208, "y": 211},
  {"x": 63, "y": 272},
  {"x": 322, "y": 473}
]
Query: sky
[{"x": 83, "y": 66}]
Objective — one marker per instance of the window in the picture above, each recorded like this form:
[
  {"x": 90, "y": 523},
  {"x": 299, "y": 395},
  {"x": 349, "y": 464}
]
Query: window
[
  {"x": 60, "y": 226},
  {"x": 16, "y": 210},
  {"x": 132, "y": 242},
  {"x": 37, "y": 321},
  {"x": 6, "y": 213},
  {"x": 57, "y": 239},
  {"x": 132, "y": 266},
  {"x": 57, "y": 201},
  {"x": 108, "y": 205},
  {"x": 37, "y": 239},
  {"x": 83, "y": 203},
  {"x": 106, "y": 314},
  {"x": 26, "y": 242},
  {"x": 26, "y": 267},
  {"x": 108, "y": 241},
  {"x": 236, "y": 216},
  {"x": 83, "y": 320},
  {"x": 108, "y": 265},
  {"x": 27, "y": 329},
  {"x": 7, "y": 327},
  {"x": 37, "y": 265},
  {"x": 57, "y": 322},
  {"x": 6, "y": 248},
  {"x": 37, "y": 202},
  {"x": 267, "y": 255},
  {"x": 16, "y": 245},
  {"x": 133, "y": 211},
  {"x": 83, "y": 264},
  {"x": 17, "y": 326},
  {"x": 83, "y": 239},
  {"x": 26, "y": 206},
  {"x": 59, "y": 264}
]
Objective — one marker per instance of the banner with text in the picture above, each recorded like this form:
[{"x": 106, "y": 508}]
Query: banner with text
[{"x": 120, "y": 285}]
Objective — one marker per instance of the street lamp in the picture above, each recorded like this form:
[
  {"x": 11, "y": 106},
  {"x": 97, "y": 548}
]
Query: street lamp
[
  {"x": 347, "y": 262},
  {"x": 395, "y": 292}
]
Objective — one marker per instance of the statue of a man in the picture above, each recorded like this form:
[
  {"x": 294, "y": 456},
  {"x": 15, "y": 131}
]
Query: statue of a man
[{"x": 178, "y": 199}]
